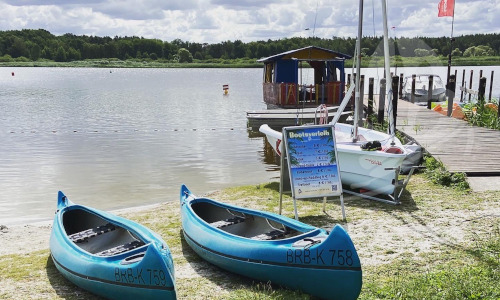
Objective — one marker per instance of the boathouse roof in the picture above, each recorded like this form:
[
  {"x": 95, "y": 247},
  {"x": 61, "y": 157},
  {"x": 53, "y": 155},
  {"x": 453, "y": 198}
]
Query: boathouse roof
[{"x": 309, "y": 53}]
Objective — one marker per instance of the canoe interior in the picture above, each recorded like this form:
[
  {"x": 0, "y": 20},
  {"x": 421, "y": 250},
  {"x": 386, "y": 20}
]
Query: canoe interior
[
  {"x": 97, "y": 235},
  {"x": 243, "y": 224}
]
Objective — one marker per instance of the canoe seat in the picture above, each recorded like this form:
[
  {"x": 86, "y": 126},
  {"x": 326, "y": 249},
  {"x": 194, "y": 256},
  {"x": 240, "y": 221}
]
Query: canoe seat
[
  {"x": 83, "y": 236},
  {"x": 120, "y": 249},
  {"x": 271, "y": 235},
  {"x": 228, "y": 222}
]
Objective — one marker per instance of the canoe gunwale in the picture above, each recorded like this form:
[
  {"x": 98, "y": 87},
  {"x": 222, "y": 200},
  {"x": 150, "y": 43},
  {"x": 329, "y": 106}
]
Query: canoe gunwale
[
  {"x": 306, "y": 231},
  {"x": 116, "y": 221}
]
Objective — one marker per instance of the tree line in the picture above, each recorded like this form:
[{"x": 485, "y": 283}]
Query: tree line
[{"x": 33, "y": 45}]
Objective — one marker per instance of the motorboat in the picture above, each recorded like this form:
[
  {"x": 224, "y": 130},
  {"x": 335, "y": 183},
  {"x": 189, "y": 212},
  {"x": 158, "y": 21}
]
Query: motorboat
[{"x": 421, "y": 93}]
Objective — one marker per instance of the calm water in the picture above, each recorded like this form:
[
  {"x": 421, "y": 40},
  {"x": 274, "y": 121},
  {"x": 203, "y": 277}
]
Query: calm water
[
  {"x": 123, "y": 137},
  {"x": 112, "y": 138}
]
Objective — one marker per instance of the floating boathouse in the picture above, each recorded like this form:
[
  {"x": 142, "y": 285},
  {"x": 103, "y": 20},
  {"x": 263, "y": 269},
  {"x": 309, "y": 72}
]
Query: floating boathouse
[{"x": 283, "y": 80}]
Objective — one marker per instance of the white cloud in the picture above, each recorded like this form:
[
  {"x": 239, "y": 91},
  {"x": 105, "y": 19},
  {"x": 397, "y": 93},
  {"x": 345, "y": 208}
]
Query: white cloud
[{"x": 214, "y": 21}]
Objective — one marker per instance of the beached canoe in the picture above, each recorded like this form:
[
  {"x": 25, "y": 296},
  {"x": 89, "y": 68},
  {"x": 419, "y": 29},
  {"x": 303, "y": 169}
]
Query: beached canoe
[
  {"x": 110, "y": 256},
  {"x": 270, "y": 247}
]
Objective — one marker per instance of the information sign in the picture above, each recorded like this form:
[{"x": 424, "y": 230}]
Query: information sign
[{"x": 312, "y": 161}]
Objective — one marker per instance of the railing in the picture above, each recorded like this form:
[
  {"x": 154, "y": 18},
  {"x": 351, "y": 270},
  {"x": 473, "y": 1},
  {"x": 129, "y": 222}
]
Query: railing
[{"x": 291, "y": 94}]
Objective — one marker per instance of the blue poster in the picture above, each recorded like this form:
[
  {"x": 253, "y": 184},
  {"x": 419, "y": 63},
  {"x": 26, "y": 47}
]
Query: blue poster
[{"x": 312, "y": 161}]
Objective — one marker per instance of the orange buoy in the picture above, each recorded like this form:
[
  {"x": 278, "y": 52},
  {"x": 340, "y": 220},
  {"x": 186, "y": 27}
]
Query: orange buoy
[{"x": 225, "y": 88}]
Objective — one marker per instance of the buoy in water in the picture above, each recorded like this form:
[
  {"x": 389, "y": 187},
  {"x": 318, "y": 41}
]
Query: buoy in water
[
  {"x": 12, "y": 73},
  {"x": 225, "y": 88}
]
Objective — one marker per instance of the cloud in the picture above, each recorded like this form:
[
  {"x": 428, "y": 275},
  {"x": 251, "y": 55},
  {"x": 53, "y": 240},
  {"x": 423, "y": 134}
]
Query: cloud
[{"x": 213, "y": 21}]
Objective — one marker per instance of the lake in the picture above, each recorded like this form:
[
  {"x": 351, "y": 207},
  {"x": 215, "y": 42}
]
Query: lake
[{"x": 114, "y": 138}]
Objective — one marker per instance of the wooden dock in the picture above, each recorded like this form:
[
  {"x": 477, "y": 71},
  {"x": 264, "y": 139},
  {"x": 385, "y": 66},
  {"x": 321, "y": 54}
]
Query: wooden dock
[{"x": 460, "y": 146}]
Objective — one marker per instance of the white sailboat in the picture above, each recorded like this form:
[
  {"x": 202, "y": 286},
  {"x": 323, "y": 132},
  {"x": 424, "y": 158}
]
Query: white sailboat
[{"x": 368, "y": 159}]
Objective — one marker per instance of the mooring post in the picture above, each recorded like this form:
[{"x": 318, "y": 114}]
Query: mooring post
[
  {"x": 395, "y": 83},
  {"x": 481, "y": 91},
  {"x": 451, "y": 94},
  {"x": 400, "y": 86},
  {"x": 370, "y": 102},
  {"x": 362, "y": 98},
  {"x": 381, "y": 102},
  {"x": 470, "y": 82},
  {"x": 413, "y": 79},
  {"x": 429, "y": 91},
  {"x": 491, "y": 86},
  {"x": 463, "y": 85}
]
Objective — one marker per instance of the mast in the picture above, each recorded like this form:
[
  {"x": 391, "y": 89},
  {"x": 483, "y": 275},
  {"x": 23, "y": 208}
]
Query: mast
[
  {"x": 388, "y": 78},
  {"x": 358, "y": 103}
]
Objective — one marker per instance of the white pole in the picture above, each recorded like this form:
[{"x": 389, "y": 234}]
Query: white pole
[
  {"x": 358, "y": 102},
  {"x": 388, "y": 79}
]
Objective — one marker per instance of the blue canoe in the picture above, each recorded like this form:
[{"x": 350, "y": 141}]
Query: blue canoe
[
  {"x": 110, "y": 256},
  {"x": 271, "y": 247}
]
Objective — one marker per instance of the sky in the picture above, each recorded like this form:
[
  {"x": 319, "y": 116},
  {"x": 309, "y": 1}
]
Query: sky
[{"x": 214, "y": 21}]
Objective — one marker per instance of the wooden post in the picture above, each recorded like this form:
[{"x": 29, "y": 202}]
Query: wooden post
[
  {"x": 370, "y": 102},
  {"x": 381, "y": 102},
  {"x": 395, "y": 83},
  {"x": 481, "y": 91},
  {"x": 463, "y": 85},
  {"x": 451, "y": 94},
  {"x": 429, "y": 91},
  {"x": 401, "y": 86},
  {"x": 361, "y": 99},
  {"x": 491, "y": 86},
  {"x": 470, "y": 82},
  {"x": 353, "y": 97},
  {"x": 413, "y": 79}
]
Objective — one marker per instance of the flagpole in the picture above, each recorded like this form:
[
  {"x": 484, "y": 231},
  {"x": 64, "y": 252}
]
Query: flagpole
[{"x": 448, "y": 91}]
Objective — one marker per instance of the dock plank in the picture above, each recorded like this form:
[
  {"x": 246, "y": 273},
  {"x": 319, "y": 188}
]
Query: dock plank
[{"x": 460, "y": 146}]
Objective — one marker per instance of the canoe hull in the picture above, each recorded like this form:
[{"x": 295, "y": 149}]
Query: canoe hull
[
  {"x": 145, "y": 272},
  {"x": 330, "y": 269}
]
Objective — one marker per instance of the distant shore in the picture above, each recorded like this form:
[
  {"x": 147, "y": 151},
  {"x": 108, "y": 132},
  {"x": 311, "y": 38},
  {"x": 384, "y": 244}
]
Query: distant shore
[{"x": 367, "y": 62}]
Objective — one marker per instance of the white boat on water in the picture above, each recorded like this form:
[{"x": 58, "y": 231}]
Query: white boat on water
[
  {"x": 367, "y": 159},
  {"x": 421, "y": 93}
]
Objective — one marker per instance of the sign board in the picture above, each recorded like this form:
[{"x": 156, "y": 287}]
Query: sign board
[{"x": 312, "y": 161}]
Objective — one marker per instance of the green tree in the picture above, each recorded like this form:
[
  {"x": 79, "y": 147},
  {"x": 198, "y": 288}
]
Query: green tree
[
  {"x": 456, "y": 52},
  {"x": 185, "y": 56},
  {"x": 421, "y": 52},
  {"x": 60, "y": 54},
  {"x": 479, "y": 51},
  {"x": 35, "y": 52},
  {"x": 18, "y": 48}
]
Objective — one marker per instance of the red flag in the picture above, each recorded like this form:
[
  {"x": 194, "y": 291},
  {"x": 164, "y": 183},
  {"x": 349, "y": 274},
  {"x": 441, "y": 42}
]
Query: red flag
[{"x": 446, "y": 8}]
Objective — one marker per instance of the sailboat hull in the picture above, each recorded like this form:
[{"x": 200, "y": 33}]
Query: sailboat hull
[{"x": 359, "y": 169}]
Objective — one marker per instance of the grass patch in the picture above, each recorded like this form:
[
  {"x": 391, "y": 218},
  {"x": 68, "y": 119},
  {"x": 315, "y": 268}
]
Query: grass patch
[
  {"x": 470, "y": 273},
  {"x": 437, "y": 173}
]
